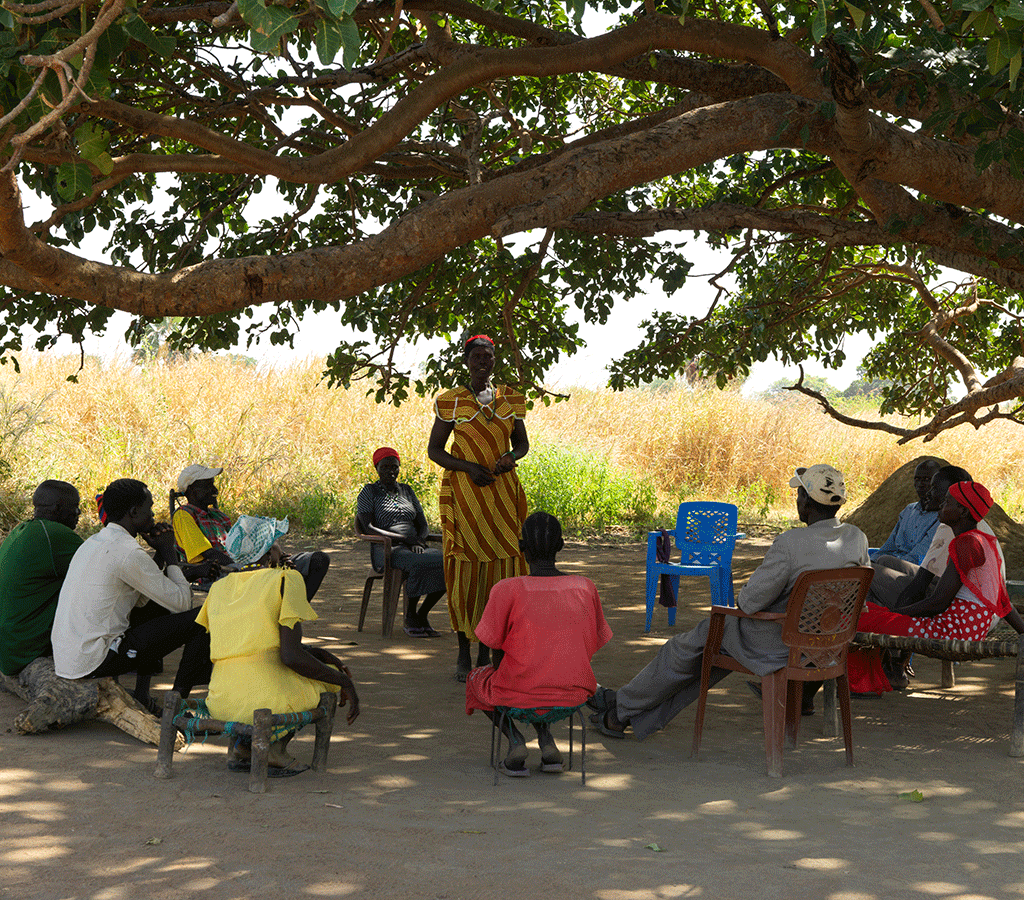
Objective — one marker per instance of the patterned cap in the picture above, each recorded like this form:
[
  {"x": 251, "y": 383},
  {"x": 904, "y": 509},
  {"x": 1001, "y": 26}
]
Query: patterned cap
[
  {"x": 191, "y": 474},
  {"x": 822, "y": 483},
  {"x": 251, "y": 538}
]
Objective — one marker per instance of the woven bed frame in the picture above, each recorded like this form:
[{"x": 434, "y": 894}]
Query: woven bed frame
[{"x": 1003, "y": 642}]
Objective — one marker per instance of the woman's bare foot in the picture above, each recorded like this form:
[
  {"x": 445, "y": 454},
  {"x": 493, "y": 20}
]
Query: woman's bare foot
[
  {"x": 550, "y": 755},
  {"x": 514, "y": 763},
  {"x": 278, "y": 756}
]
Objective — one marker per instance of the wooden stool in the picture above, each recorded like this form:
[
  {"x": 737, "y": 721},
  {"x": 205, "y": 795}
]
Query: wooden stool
[{"x": 264, "y": 721}]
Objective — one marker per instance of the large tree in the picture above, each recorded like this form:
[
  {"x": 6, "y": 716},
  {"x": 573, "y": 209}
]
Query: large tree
[{"x": 379, "y": 157}]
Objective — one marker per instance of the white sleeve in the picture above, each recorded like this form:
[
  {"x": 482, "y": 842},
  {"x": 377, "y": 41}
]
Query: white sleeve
[{"x": 170, "y": 590}]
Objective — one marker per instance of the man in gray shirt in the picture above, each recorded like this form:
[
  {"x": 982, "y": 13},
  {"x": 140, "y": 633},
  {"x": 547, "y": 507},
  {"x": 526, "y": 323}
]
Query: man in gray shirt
[{"x": 671, "y": 681}]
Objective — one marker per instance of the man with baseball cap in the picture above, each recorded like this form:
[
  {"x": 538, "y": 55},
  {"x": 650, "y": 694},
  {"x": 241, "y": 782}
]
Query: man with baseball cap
[
  {"x": 671, "y": 681},
  {"x": 201, "y": 528}
]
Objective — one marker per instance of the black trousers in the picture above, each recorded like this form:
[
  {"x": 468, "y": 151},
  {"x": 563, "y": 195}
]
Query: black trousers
[{"x": 145, "y": 644}]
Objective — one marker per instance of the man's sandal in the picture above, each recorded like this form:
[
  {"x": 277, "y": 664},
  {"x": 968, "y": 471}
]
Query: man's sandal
[{"x": 600, "y": 719}]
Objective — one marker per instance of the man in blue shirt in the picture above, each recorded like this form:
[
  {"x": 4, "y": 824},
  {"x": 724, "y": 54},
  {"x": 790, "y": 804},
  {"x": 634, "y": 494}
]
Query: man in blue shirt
[{"x": 916, "y": 525}]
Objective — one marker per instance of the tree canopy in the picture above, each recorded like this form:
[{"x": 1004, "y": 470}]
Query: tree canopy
[{"x": 862, "y": 162}]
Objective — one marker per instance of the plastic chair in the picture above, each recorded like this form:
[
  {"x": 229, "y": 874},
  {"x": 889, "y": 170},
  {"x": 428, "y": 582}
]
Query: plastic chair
[
  {"x": 818, "y": 625},
  {"x": 263, "y": 723},
  {"x": 705, "y": 534},
  {"x": 393, "y": 578},
  {"x": 538, "y": 716}
]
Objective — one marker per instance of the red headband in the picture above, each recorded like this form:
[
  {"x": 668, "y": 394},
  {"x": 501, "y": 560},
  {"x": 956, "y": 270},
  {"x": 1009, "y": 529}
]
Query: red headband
[
  {"x": 383, "y": 453},
  {"x": 479, "y": 337},
  {"x": 973, "y": 497}
]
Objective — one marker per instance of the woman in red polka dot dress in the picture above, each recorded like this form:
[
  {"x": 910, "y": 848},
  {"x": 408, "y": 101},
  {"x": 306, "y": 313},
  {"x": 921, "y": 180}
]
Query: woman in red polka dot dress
[{"x": 966, "y": 599}]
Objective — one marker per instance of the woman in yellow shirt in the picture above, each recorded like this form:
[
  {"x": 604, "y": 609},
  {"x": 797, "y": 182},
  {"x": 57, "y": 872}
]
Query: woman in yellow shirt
[{"x": 259, "y": 661}]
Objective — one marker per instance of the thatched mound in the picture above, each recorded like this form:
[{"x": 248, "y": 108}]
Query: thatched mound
[{"x": 877, "y": 515}]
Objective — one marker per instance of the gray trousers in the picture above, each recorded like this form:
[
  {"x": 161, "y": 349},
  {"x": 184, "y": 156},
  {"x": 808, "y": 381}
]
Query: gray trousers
[
  {"x": 892, "y": 575},
  {"x": 667, "y": 684}
]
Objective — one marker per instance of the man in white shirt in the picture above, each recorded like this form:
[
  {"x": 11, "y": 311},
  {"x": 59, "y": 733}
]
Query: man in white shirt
[
  {"x": 896, "y": 578},
  {"x": 93, "y": 633}
]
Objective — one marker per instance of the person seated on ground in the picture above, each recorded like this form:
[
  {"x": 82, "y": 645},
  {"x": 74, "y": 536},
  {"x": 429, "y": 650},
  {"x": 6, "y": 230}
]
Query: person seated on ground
[
  {"x": 671, "y": 681},
  {"x": 916, "y": 525},
  {"x": 255, "y": 618},
  {"x": 962, "y": 603},
  {"x": 391, "y": 509},
  {"x": 34, "y": 559},
  {"x": 200, "y": 528},
  {"x": 543, "y": 628},
  {"x": 96, "y": 630}
]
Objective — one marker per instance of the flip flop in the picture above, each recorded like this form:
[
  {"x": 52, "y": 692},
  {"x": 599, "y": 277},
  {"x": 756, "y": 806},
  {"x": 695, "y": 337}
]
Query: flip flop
[
  {"x": 278, "y": 772},
  {"x": 431, "y": 632},
  {"x": 554, "y": 763},
  {"x": 513, "y": 773},
  {"x": 598, "y": 719},
  {"x": 414, "y": 631}
]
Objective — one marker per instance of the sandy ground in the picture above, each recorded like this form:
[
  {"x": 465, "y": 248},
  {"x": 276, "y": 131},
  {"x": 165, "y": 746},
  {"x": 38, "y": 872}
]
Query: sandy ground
[{"x": 408, "y": 808}]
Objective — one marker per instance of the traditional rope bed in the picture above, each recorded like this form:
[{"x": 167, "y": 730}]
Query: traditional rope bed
[{"x": 1002, "y": 642}]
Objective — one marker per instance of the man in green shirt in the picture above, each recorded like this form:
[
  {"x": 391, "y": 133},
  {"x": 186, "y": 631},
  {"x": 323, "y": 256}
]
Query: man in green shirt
[{"x": 34, "y": 559}]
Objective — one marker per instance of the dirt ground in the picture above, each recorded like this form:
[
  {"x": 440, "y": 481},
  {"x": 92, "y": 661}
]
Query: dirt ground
[{"x": 408, "y": 808}]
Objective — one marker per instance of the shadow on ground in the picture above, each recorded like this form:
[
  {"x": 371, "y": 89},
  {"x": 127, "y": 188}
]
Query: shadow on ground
[{"x": 408, "y": 808}]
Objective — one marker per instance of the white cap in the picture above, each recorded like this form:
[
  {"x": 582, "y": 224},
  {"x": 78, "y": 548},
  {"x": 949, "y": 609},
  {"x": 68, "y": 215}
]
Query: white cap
[
  {"x": 822, "y": 483},
  {"x": 191, "y": 474}
]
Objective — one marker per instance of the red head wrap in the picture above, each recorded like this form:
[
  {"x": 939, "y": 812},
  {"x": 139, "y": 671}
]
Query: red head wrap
[
  {"x": 383, "y": 453},
  {"x": 479, "y": 337},
  {"x": 973, "y": 497}
]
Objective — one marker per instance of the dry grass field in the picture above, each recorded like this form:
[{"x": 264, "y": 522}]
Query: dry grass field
[{"x": 605, "y": 462}]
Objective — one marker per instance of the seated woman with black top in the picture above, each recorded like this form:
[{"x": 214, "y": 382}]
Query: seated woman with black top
[{"x": 391, "y": 509}]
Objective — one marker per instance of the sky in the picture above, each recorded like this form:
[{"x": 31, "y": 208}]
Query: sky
[{"x": 318, "y": 334}]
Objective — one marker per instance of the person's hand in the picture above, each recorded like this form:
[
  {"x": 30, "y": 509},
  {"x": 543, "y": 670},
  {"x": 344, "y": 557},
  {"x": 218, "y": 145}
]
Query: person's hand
[
  {"x": 161, "y": 539},
  {"x": 480, "y": 476},
  {"x": 352, "y": 698},
  {"x": 418, "y": 548},
  {"x": 208, "y": 571},
  {"x": 505, "y": 463}
]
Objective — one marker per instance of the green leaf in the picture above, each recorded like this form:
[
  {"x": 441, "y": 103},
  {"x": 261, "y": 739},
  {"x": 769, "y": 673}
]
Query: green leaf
[
  {"x": 337, "y": 8},
  {"x": 351, "y": 40},
  {"x": 279, "y": 22},
  {"x": 139, "y": 30},
  {"x": 683, "y": 8},
  {"x": 654, "y": 847},
  {"x": 73, "y": 180},
  {"x": 856, "y": 14},
  {"x": 327, "y": 39},
  {"x": 251, "y": 10},
  {"x": 6, "y": 19},
  {"x": 993, "y": 54},
  {"x": 914, "y": 796},
  {"x": 1014, "y": 69},
  {"x": 819, "y": 25}
]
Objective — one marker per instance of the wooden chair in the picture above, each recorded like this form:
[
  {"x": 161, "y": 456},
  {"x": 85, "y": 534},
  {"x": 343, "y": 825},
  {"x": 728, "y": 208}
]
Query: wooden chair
[
  {"x": 818, "y": 625},
  {"x": 259, "y": 732},
  {"x": 393, "y": 578}
]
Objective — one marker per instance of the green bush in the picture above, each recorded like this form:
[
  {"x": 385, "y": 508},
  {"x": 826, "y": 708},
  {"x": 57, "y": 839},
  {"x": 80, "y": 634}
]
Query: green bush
[{"x": 585, "y": 492}]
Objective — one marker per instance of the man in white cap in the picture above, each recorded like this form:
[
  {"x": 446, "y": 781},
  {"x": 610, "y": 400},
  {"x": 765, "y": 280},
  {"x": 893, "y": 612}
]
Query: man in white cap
[
  {"x": 671, "y": 681},
  {"x": 201, "y": 528}
]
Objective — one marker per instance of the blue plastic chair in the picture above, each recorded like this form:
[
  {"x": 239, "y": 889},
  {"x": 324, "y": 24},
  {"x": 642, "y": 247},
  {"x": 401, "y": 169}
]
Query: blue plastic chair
[{"x": 705, "y": 535}]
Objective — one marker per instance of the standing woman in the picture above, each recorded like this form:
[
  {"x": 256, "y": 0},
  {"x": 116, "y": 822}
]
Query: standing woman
[{"x": 482, "y": 503}]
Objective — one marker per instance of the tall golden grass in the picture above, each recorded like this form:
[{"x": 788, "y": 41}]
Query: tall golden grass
[{"x": 290, "y": 444}]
